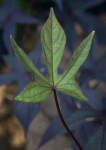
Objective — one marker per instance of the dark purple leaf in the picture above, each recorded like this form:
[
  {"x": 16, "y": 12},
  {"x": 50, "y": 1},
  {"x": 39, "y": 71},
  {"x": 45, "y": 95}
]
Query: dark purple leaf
[
  {"x": 11, "y": 5},
  {"x": 4, "y": 13},
  {"x": 101, "y": 69},
  {"x": 73, "y": 121},
  {"x": 95, "y": 99},
  {"x": 10, "y": 16},
  {"x": 59, "y": 3},
  {"x": 89, "y": 112},
  {"x": 67, "y": 103},
  {"x": 70, "y": 31},
  {"x": 18, "y": 71},
  {"x": 8, "y": 77},
  {"x": 83, "y": 5},
  {"x": 96, "y": 71},
  {"x": 92, "y": 56},
  {"x": 104, "y": 102},
  {"x": 35, "y": 55},
  {"x": 8, "y": 28},
  {"x": 91, "y": 22},
  {"x": 83, "y": 134},
  {"x": 14, "y": 63},
  {"x": 23, "y": 82},
  {"x": 21, "y": 17},
  {"x": 26, "y": 112},
  {"x": 97, "y": 140}
]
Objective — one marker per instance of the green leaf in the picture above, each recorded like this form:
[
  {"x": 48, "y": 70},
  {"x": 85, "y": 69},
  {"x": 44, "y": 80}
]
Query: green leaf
[
  {"x": 34, "y": 93},
  {"x": 53, "y": 41}
]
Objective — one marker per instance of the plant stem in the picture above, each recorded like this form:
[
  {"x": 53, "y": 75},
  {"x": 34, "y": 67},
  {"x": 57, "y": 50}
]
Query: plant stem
[{"x": 63, "y": 121}]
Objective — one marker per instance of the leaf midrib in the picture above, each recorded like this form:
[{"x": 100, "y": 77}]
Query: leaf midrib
[{"x": 52, "y": 45}]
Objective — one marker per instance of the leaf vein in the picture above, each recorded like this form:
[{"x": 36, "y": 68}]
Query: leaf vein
[
  {"x": 36, "y": 94},
  {"x": 60, "y": 45}
]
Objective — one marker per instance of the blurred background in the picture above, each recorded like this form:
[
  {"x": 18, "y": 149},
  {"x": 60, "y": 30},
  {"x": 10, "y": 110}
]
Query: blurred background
[{"x": 23, "y": 125}]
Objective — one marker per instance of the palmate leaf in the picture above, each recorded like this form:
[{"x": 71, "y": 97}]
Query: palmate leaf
[{"x": 53, "y": 41}]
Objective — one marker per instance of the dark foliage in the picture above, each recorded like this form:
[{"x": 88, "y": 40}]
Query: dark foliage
[
  {"x": 72, "y": 12},
  {"x": 26, "y": 112},
  {"x": 89, "y": 116},
  {"x": 96, "y": 71},
  {"x": 18, "y": 72},
  {"x": 11, "y": 15}
]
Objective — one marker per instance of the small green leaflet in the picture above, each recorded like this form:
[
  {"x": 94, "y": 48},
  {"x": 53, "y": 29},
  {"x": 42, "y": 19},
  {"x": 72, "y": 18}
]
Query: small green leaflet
[{"x": 53, "y": 41}]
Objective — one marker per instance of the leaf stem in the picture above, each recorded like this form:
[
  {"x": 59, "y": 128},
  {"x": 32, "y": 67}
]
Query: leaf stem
[{"x": 63, "y": 121}]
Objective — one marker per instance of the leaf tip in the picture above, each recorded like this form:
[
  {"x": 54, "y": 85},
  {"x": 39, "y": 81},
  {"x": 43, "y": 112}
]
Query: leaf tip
[
  {"x": 17, "y": 97},
  {"x": 10, "y": 36},
  {"x": 93, "y": 32},
  {"x": 86, "y": 99},
  {"x": 51, "y": 9}
]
